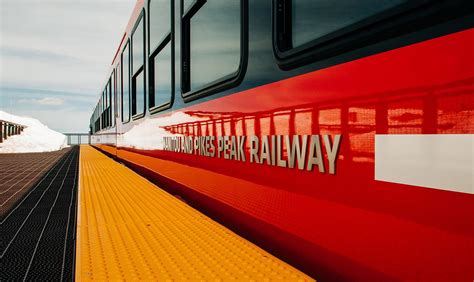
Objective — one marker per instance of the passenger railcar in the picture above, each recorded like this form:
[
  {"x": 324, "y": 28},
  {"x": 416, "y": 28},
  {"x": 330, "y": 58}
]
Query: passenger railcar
[{"x": 338, "y": 136}]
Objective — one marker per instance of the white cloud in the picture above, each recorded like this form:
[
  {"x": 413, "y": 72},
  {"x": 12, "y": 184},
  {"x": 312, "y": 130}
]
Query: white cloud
[
  {"x": 47, "y": 101},
  {"x": 60, "y": 46}
]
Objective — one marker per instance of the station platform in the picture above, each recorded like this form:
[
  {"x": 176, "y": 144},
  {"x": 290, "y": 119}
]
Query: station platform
[
  {"x": 130, "y": 229},
  {"x": 19, "y": 173},
  {"x": 76, "y": 214},
  {"x": 38, "y": 195}
]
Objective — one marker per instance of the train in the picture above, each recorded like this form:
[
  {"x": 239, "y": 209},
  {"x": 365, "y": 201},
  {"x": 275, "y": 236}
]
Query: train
[{"x": 337, "y": 136}]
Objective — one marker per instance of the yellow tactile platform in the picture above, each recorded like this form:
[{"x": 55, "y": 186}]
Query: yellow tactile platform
[{"x": 130, "y": 229}]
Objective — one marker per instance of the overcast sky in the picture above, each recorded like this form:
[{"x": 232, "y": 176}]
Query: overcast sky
[{"x": 54, "y": 55}]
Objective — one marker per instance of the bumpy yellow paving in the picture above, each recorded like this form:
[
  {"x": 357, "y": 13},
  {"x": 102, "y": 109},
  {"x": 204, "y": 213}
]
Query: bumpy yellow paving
[{"x": 130, "y": 229}]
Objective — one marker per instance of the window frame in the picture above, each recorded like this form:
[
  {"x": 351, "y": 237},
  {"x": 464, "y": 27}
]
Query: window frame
[
  {"x": 226, "y": 82},
  {"x": 103, "y": 109},
  {"x": 127, "y": 44},
  {"x": 163, "y": 42},
  {"x": 113, "y": 99},
  {"x": 141, "y": 69},
  {"x": 343, "y": 40},
  {"x": 109, "y": 104},
  {"x": 97, "y": 120},
  {"x": 118, "y": 89},
  {"x": 94, "y": 119},
  {"x": 98, "y": 117},
  {"x": 106, "y": 108}
]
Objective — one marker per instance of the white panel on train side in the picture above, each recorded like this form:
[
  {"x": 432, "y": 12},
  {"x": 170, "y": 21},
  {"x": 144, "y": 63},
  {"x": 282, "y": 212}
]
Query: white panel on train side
[{"x": 439, "y": 161}]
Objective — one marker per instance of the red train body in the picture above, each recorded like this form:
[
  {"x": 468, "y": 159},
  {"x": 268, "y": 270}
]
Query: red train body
[{"x": 351, "y": 165}]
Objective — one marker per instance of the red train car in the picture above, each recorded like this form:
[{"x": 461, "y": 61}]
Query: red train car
[{"x": 337, "y": 136}]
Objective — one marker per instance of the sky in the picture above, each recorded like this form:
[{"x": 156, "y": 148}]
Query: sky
[{"x": 54, "y": 57}]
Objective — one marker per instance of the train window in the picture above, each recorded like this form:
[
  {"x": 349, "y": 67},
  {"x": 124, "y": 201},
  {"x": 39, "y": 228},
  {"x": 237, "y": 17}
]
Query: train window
[
  {"x": 161, "y": 79},
  {"x": 312, "y": 19},
  {"x": 317, "y": 29},
  {"x": 98, "y": 117},
  {"x": 118, "y": 81},
  {"x": 187, "y": 4},
  {"x": 214, "y": 46},
  {"x": 138, "y": 70},
  {"x": 160, "y": 21},
  {"x": 109, "y": 103},
  {"x": 106, "y": 110},
  {"x": 126, "y": 84},
  {"x": 112, "y": 99},
  {"x": 138, "y": 47},
  {"x": 104, "y": 107},
  {"x": 138, "y": 85},
  {"x": 160, "y": 62},
  {"x": 103, "y": 110}
]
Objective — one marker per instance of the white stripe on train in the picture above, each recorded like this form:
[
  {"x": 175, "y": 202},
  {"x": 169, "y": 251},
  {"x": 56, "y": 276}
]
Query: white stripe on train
[{"x": 439, "y": 161}]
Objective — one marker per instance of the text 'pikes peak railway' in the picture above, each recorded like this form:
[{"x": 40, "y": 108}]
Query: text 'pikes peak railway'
[{"x": 289, "y": 151}]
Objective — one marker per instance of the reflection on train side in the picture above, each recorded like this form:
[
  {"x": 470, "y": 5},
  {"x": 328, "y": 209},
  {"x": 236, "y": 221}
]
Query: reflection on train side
[{"x": 445, "y": 109}]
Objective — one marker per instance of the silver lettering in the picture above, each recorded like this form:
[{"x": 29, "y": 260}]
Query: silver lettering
[
  {"x": 280, "y": 161},
  {"x": 202, "y": 148},
  {"x": 233, "y": 148},
  {"x": 273, "y": 149},
  {"x": 226, "y": 147},
  {"x": 315, "y": 154},
  {"x": 220, "y": 146},
  {"x": 196, "y": 144},
  {"x": 213, "y": 148},
  {"x": 332, "y": 151},
  {"x": 190, "y": 145},
  {"x": 294, "y": 149},
  {"x": 264, "y": 153},
  {"x": 241, "y": 152},
  {"x": 254, "y": 149}
]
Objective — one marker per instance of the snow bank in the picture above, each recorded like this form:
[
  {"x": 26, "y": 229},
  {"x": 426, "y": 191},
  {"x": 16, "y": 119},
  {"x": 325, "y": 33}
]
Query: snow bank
[{"x": 36, "y": 137}]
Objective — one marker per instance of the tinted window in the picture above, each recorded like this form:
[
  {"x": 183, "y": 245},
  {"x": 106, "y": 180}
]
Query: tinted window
[
  {"x": 126, "y": 84},
  {"x": 118, "y": 90},
  {"x": 106, "y": 109},
  {"x": 109, "y": 105},
  {"x": 214, "y": 42},
  {"x": 102, "y": 109},
  {"x": 160, "y": 53},
  {"x": 113, "y": 100},
  {"x": 187, "y": 4},
  {"x": 160, "y": 21},
  {"x": 137, "y": 47},
  {"x": 138, "y": 77},
  {"x": 312, "y": 19},
  {"x": 162, "y": 76},
  {"x": 107, "y": 97},
  {"x": 139, "y": 86}
]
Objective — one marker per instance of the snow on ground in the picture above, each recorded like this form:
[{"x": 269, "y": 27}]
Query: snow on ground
[{"x": 36, "y": 137}]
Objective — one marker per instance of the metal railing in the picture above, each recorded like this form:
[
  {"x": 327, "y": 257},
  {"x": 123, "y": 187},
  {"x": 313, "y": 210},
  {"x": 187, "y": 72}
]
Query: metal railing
[
  {"x": 78, "y": 138},
  {"x": 8, "y": 129}
]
